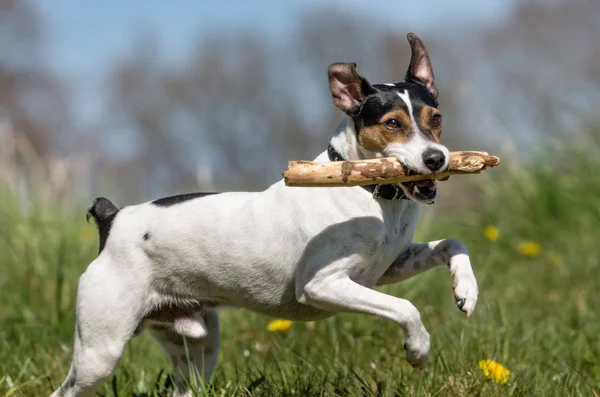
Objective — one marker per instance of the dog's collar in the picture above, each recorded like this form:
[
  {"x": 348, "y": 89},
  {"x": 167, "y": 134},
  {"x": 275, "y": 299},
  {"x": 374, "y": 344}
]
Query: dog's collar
[{"x": 386, "y": 192}]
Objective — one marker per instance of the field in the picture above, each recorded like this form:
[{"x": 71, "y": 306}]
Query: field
[{"x": 537, "y": 313}]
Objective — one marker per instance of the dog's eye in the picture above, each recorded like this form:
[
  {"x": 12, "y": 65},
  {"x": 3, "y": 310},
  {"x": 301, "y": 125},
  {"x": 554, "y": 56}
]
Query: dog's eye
[
  {"x": 392, "y": 124},
  {"x": 436, "y": 120}
]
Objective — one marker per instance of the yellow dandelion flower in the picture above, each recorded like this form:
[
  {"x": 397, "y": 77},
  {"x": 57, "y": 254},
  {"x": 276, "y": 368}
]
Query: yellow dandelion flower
[
  {"x": 494, "y": 371},
  {"x": 529, "y": 248},
  {"x": 279, "y": 325},
  {"x": 491, "y": 233}
]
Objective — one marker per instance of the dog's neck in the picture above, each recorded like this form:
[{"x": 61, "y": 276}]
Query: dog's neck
[{"x": 345, "y": 142}]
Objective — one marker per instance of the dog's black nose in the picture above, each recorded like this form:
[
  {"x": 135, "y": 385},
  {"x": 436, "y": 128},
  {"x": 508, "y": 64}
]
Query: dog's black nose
[{"x": 434, "y": 159}]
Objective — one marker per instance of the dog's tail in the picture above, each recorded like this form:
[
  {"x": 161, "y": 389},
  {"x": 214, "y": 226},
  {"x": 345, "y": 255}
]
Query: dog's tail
[{"x": 104, "y": 212}]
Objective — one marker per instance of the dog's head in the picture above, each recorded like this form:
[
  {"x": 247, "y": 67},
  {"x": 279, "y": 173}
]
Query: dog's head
[{"x": 399, "y": 120}]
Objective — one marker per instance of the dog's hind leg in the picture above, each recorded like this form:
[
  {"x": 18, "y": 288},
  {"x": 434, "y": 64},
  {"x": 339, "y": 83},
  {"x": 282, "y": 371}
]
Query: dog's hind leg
[
  {"x": 107, "y": 317},
  {"x": 418, "y": 258},
  {"x": 193, "y": 356}
]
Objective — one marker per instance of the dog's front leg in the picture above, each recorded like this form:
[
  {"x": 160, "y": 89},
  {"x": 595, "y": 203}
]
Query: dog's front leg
[
  {"x": 338, "y": 293},
  {"x": 418, "y": 258}
]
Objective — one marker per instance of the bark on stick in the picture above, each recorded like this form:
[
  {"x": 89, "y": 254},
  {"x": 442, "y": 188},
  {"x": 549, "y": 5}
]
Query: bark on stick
[{"x": 379, "y": 171}]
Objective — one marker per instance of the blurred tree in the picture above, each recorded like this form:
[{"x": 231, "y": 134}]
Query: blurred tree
[
  {"x": 31, "y": 97},
  {"x": 239, "y": 107},
  {"x": 224, "y": 109},
  {"x": 543, "y": 70}
]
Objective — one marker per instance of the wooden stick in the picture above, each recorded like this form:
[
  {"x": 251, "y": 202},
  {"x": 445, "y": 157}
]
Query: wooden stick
[{"x": 379, "y": 171}]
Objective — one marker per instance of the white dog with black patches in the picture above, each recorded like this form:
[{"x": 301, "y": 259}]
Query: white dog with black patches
[{"x": 295, "y": 253}]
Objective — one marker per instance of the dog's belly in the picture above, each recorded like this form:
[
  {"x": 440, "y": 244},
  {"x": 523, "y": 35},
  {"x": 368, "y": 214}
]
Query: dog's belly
[
  {"x": 265, "y": 288},
  {"x": 290, "y": 309},
  {"x": 266, "y": 292},
  {"x": 284, "y": 306}
]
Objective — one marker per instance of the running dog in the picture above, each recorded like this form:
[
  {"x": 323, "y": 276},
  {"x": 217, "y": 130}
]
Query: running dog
[{"x": 289, "y": 252}]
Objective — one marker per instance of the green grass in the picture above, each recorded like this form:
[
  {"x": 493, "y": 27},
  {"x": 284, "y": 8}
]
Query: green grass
[{"x": 538, "y": 316}]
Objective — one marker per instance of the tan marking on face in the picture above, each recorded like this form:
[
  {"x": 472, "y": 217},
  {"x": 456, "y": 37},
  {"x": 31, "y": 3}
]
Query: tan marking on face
[
  {"x": 377, "y": 137},
  {"x": 425, "y": 125}
]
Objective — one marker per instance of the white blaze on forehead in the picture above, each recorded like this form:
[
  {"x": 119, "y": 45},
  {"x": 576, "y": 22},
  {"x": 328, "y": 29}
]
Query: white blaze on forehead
[
  {"x": 405, "y": 97},
  {"x": 389, "y": 84}
]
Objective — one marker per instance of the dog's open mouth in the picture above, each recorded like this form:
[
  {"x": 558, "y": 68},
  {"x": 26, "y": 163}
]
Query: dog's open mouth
[{"x": 421, "y": 191}]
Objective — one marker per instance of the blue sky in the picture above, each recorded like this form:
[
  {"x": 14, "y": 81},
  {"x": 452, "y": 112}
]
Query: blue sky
[{"x": 84, "y": 38}]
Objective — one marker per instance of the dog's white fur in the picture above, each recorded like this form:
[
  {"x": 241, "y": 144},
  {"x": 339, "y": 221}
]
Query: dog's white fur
[{"x": 296, "y": 253}]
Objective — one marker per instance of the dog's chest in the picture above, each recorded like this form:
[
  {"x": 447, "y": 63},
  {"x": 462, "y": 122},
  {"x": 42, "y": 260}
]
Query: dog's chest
[{"x": 400, "y": 220}]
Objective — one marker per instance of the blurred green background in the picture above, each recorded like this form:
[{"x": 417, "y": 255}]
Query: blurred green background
[{"x": 142, "y": 100}]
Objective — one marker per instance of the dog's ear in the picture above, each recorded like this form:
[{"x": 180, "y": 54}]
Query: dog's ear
[
  {"x": 347, "y": 87},
  {"x": 420, "y": 70}
]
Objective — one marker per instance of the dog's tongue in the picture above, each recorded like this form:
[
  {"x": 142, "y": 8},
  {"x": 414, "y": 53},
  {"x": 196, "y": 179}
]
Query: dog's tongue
[{"x": 428, "y": 183}]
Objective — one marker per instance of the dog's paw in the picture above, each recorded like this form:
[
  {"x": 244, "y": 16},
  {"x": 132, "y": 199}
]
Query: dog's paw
[
  {"x": 417, "y": 348},
  {"x": 465, "y": 287}
]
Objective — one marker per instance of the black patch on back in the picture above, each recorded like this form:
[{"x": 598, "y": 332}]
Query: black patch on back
[
  {"x": 178, "y": 199},
  {"x": 146, "y": 236},
  {"x": 104, "y": 212}
]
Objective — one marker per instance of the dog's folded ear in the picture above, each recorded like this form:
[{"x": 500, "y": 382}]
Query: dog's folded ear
[
  {"x": 420, "y": 70},
  {"x": 347, "y": 87}
]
